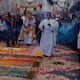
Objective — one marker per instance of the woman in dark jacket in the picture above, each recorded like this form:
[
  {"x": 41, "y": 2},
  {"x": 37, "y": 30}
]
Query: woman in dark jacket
[{"x": 18, "y": 25}]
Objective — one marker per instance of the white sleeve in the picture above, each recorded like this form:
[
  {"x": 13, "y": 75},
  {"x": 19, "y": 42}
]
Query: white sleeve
[
  {"x": 41, "y": 25},
  {"x": 33, "y": 21},
  {"x": 55, "y": 25}
]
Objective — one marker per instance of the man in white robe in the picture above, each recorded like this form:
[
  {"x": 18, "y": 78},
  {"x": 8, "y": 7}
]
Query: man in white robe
[
  {"x": 21, "y": 35},
  {"x": 78, "y": 34},
  {"x": 78, "y": 43},
  {"x": 56, "y": 25},
  {"x": 47, "y": 38}
]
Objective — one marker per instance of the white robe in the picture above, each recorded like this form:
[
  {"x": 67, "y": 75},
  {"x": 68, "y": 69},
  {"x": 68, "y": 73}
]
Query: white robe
[
  {"x": 47, "y": 37},
  {"x": 56, "y": 26},
  {"x": 78, "y": 42}
]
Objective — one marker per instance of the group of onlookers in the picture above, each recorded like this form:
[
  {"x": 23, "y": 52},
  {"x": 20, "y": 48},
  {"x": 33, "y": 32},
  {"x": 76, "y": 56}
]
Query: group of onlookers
[
  {"x": 10, "y": 28},
  {"x": 69, "y": 31}
]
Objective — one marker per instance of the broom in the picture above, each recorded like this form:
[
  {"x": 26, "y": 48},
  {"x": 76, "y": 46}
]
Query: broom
[{"x": 34, "y": 36}]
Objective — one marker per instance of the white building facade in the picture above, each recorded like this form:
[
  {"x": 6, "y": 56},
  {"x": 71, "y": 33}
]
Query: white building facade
[{"x": 10, "y": 5}]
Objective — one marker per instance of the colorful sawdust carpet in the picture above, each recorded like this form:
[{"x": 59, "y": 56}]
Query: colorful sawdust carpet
[
  {"x": 59, "y": 64},
  {"x": 50, "y": 77},
  {"x": 35, "y": 51},
  {"x": 72, "y": 75},
  {"x": 58, "y": 68},
  {"x": 18, "y": 68}
]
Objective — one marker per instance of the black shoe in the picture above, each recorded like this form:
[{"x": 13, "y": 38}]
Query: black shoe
[{"x": 46, "y": 56}]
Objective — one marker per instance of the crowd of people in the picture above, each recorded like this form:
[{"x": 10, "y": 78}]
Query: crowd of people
[
  {"x": 9, "y": 29},
  {"x": 69, "y": 30},
  {"x": 31, "y": 28}
]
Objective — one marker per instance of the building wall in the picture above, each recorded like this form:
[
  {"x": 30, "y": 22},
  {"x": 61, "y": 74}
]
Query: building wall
[
  {"x": 6, "y": 6},
  {"x": 10, "y": 5}
]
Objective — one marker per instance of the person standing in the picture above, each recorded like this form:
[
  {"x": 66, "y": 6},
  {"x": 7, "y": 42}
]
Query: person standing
[
  {"x": 18, "y": 26},
  {"x": 47, "y": 38},
  {"x": 3, "y": 29},
  {"x": 77, "y": 34},
  {"x": 28, "y": 29},
  {"x": 55, "y": 20},
  {"x": 21, "y": 34},
  {"x": 10, "y": 34},
  {"x": 37, "y": 30}
]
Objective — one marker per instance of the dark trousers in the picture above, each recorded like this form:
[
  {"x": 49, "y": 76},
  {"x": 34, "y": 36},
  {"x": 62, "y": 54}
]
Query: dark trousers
[
  {"x": 10, "y": 37},
  {"x": 17, "y": 32},
  {"x": 2, "y": 35},
  {"x": 16, "y": 36}
]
